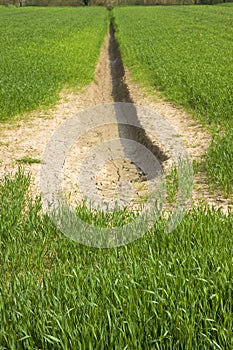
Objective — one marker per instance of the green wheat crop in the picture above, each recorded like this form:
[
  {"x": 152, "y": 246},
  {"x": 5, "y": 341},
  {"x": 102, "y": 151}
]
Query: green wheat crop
[
  {"x": 164, "y": 291},
  {"x": 44, "y": 50}
]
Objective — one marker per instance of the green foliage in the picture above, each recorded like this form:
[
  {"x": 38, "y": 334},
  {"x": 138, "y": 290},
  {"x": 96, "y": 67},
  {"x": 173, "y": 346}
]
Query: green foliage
[
  {"x": 28, "y": 160},
  {"x": 44, "y": 50},
  {"x": 164, "y": 291},
  {"x": 220, "y": 161},
  {"x": 171, "y": 185},
  {"x": 111, "y": 3},
  {"x": 186, "y": 53}
]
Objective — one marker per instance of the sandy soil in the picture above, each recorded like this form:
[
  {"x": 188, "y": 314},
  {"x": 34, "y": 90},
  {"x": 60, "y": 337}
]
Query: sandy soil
[{"x": 112, "y": 84}]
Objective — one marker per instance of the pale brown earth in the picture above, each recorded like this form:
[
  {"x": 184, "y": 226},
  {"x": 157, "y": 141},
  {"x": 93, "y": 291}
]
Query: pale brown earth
[{"x": 112, "y": 83}]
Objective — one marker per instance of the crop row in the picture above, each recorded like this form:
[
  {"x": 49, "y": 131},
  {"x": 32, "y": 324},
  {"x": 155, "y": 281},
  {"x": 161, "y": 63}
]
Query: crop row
[{"x": 43, "y": 50}]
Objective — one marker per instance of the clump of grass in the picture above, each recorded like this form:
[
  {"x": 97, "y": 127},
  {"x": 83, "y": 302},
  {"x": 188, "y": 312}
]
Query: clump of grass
[
  {"x": 101, "y": 218},
  {"x": 2, "y": 143},
  {"x": 220, "y": 160},
  {"x": 28, "y": 160},
  {"x": 164, "y": 291},
  {"x": 171, "y": 185}
]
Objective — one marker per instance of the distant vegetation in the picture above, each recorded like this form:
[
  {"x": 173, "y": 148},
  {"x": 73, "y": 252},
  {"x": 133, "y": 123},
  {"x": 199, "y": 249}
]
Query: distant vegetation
[
  {"x": 108, "y": 2},
  {"x": 44, "y": 50},
  {"x": 186, "y": 52}
]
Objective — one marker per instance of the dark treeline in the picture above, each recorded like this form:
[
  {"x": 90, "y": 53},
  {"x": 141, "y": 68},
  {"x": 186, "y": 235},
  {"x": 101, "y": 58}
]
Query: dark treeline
[{"x": 106, "y": 2}]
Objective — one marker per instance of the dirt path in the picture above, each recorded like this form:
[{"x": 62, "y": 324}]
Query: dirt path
[{"x": 112, "y": 84}]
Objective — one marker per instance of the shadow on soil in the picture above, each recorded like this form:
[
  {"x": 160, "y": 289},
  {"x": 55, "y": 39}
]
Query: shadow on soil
[{"x": 121, "y": 93}]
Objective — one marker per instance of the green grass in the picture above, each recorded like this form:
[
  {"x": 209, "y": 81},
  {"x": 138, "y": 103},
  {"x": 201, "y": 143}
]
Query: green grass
[
  {"x": 220, "y": 160},
  {"x": 171, "y": 185},
  {"x": 186, "y": 52},
  {"x": 28, "y": 160},
  {"x": 164, "y": 291},
  {"x": 44, "y": 50}
]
